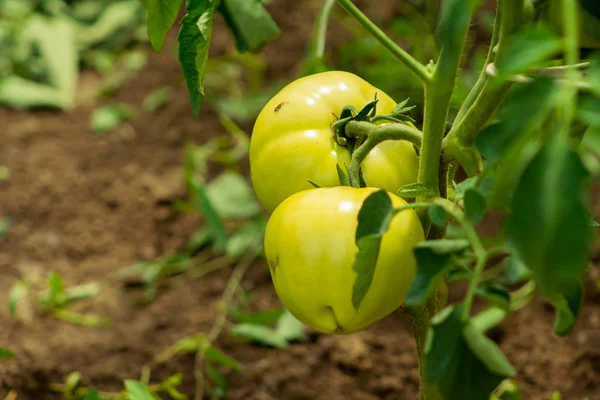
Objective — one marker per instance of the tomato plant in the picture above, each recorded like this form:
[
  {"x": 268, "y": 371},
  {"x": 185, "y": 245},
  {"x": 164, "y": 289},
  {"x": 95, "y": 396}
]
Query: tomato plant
[{"x": 527, "y": 135}]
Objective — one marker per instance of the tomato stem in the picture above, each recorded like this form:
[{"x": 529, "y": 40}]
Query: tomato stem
[
  {"x": 375, "y": 134},
  {"x": 415, "y": 66}
]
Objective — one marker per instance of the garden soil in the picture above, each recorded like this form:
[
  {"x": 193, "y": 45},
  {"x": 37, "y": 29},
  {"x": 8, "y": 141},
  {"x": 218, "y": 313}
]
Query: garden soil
[{"x": 87, "y": 205}]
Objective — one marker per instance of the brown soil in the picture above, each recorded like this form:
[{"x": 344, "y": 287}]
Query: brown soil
[{"x": 86, "y": 205}]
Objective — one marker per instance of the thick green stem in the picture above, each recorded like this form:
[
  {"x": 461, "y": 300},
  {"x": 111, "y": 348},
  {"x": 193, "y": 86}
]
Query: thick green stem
[
  {"x": 375, "y": 135},
  {"x": 571, "y": 33},
  {"x": 415, "y": 66}
]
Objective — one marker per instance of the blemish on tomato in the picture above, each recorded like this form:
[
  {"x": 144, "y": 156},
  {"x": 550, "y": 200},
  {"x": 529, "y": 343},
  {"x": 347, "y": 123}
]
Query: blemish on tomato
[
  {"x": 280, "y": 105},
  {"x": 273, "y": 264}
]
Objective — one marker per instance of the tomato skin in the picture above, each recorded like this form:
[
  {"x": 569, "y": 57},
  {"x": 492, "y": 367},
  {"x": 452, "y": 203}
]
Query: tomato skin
[
  {"x": 292, "y": 141},
  {"x": 310, "y": 247}
]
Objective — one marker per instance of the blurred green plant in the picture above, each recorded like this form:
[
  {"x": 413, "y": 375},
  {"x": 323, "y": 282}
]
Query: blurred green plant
[{"x": 45, "y": 42}]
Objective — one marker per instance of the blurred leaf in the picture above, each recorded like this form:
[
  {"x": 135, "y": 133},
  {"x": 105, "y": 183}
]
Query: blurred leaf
[
  {"x": 92, "y": 394},
  {"x": 484, "y": 188},
  {"x": 487, "y": 319},
  {"x": 374, "y": 219},
  {"x": 527, "y": 49},
  {"x": 475, "y": 205},
  {"x": 414, "y": 190},
  {"x": 218, "y": 357},
  {"x": 507, "y": 391},
  {"x": 72, "y": 382},
  {"x": 21, "y": 93},
  {"x": 454, "y": 20},
  {"x": 161, "y": 17},
  {"x": 289, "y": 328},
  {"x": 496, "y": 294},
  {"x": 250, "y": 23},
  {"x": 194, "y": 41},
  {"x": 260, "y": 334},
  {"x": 232, "y": 197},
  {"x": 259, "y": 318},
  {"x": 117, "y": 19},
  {"x": 431, "y": 267},
  {"x": 438, "y": 215},
  {"x": 550, "y": 230},
  {"x": 516, "y": 270},
  {"x": 5, "y": 225},
  {"x": 219, "y": 380},
  {"x": 138, "y": 391},
  {"x": 6, "y": 354},
  {"x": 249, "y": 237},
  {"x": 109, "y": 117},
  {"x": 17, "y": 293},
  {"x": 462, "y": 361},
  {"x": 589, "y": 110},
  {"x": 170, "y": 384},
  {"x": 202, "y": 201},
  {"x": 445, "y": 246},
  {"x": 567, "y": 306},
  {"x": 57, "y": 289},
  {"x": 157, "y": 98},
  {"x": 84, "y": 291},
  {"x": 524, "y": 111}
]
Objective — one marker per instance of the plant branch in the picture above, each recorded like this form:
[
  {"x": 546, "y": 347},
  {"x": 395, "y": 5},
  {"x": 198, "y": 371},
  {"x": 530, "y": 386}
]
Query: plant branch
[
  {"x": 415, "y": 66},
  {"x": 571, "y": 42},
  {"x": 321, "y": 33},
  {"x": 375, "y": 135}
]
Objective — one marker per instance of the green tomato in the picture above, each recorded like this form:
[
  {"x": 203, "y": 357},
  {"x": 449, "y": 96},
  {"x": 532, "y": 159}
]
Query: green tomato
[
  {"x": 310, "y": 247},
  {"x": 292, "y": 141}
]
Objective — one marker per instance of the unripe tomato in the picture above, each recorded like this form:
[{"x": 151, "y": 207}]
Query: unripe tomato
[
  {"x": 310, "y": 247},
  {"x": 292, "y": 140}
]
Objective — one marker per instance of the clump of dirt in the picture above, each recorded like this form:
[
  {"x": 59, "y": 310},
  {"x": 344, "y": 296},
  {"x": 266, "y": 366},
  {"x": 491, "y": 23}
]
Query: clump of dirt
[{"x": 85, "y": 205}]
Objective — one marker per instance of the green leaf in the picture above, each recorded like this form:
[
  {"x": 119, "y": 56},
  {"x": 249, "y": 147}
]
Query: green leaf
[
  {"x": 92, "y": 394},
  {"x": 218, "y": 357},
  {"x": 455, "y": 17},
  {"x": 528, "y": 49},
  {"x": 431, "y": 267},
  {"x": 260, "y": 334},
  {"x": 157, "y": 98},
  {"x": 289, "y": 328},
  {"x": 161, "y": 17},
  {"x": 516, "y": 270},
  {"x": 488, "y": 319},
  {"x": 248, "y": 238},
  {"x": 21, "y": 93},
  {"x": 6, "y": 354},
  {"x": 485, "y": 187},
  {"x": 445, "y": 246},
  {"x": 232, "y": 197},
  {"x": 373, "y": 221},
  {"x": 56, "y": 288},
  {"x": 219, "y": 380},
  {"x": 462, "y": 361},
  {"x": 17, "y": 293},
  {"x": 258, "y": 318},
  {"x": 567, "y": 309},
  {"x": 594, "y": 223},
  {"x": 250, "y": 23},
  {"x": 438, "y": 215},
  {"x": 194, "y": 41},
  {"x": 550, "y": 230},
  {"x": 202, "y": 201},
  {"x": 587, "y": 110},
  {"x": 414, "y": 190},
  {"x": 496, "y": 294},
  {"x": 524, "y": 111},
  {"x": 344, "y": 181},
  {"x": 138, "y": 391},
  {"x": 315, "y": 185},
  {"x": 109, "y": 117},
  {"x": 475, "y": 205}
]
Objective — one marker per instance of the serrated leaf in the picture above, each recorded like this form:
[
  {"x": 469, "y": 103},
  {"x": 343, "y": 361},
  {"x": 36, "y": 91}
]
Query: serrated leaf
[
  {"x": 373, "y": 221},
  {"x": 528, "y": 49},
  {"x": 414, "y": 190},
  {"x": 550, "y": 230},
  {"x": 232, "y": 197},
  {"x": 455, "y": 367},
  {"x": 6, "y": 354},
  {"x": 161, "y": 17},
  {"x": 194, "y": 41},
  {"x": 289, "y": 328},
  {"x": 438, "y": 215},
  {"x": 259, "y": 318},
  {"x": 260, "y": 334},
  {"x": 218, "y": 357},
  {"x": 250, "y": 23},
  {"x": 17, "y": 293},
  {"x": 138, "y": 391},
  {"x": 475, "y": 205},
  {"x": 430, "y": 269}
]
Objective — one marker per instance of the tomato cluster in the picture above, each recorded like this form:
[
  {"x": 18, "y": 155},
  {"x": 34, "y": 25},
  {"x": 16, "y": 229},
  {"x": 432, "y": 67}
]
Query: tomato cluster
[{"x": 310, "y": 238}]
